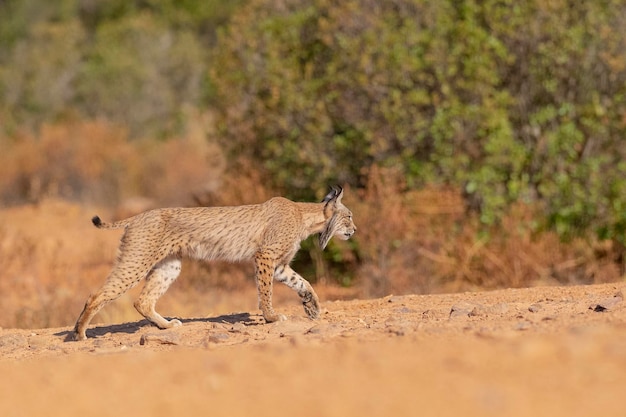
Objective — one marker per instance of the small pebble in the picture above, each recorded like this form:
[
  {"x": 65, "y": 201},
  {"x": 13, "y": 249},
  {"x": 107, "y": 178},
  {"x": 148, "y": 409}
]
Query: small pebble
[
  {"x": 218, "y": 337},
  {"x": 462, "y": 309},
  {"x": 606, "y": 304},
  {"x": 238, "y": 328},
  {"x": 396, "y": 331},
  {"x": 160, "y": 338}
]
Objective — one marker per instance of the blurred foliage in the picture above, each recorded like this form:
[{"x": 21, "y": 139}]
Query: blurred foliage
[
  {"x": 506, "y": 101},
  {"x": 140, "y": 63}
]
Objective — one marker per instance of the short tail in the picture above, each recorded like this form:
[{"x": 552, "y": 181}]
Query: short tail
[
  {"x": 96, "y": 221},
  {"x": 101, "y": 225}
]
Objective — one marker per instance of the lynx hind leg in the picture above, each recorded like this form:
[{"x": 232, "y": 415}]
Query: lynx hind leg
[
  {"x": 264, "y": 271},
  {"x": 289, "y": 277},
  {"x": 157, "y": 282},
  {"x": 125, "y": 275}
]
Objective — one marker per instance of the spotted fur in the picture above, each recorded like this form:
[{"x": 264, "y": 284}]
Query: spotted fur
[{"x": 270, "y": 233}]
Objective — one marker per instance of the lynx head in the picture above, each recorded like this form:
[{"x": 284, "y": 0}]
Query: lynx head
[{"x": 338, "y": 218}]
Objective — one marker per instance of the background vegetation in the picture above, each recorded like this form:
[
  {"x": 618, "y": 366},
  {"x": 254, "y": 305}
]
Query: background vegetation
[{"x": 481, "y": 141}]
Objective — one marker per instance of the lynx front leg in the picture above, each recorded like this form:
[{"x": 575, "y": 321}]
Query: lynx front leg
[
  {"x": 289, "y": 277},
  {"x": 264, "y": 272}
]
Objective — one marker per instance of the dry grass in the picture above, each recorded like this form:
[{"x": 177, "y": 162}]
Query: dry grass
[{"x": 47, "y": 257}]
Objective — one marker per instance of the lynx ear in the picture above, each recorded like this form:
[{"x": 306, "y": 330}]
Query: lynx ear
[
  {"x": 331, "y": 200},
  {"x": 339, "y": 194},
  {"x": 335, "y": 193}
]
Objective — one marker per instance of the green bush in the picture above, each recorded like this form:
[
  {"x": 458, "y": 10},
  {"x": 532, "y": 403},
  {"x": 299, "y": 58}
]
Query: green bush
[
  {"x": 508, "y": 101},
  {"x": 141, "y": 64}
]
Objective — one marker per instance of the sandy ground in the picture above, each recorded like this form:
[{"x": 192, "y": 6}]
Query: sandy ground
[{"x": 554, "y": 351}]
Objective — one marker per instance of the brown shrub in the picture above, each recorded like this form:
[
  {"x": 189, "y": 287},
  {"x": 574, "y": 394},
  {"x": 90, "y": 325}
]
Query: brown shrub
[
  {"x": 423, "y": 241},
  {"x": 96, "y": 162},
  {"x": 395, "y": 228}
]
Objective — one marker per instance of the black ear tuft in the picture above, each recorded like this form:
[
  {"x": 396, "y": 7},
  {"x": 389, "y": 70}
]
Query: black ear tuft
[
  {"x": 335, "y": 190},
  {"x": 330, "y": 195}
]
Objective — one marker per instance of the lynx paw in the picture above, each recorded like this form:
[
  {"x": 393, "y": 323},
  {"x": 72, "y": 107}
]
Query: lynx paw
[
  {"x": 311, "y": 305},
  {"x": 274, "y": 317},
  {"x": 75, "y": 336},
  {"x": 173, "y": 323}
]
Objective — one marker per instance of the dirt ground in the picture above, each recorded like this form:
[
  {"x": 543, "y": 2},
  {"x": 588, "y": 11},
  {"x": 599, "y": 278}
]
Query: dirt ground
[{"x": 554, "y": 351}]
